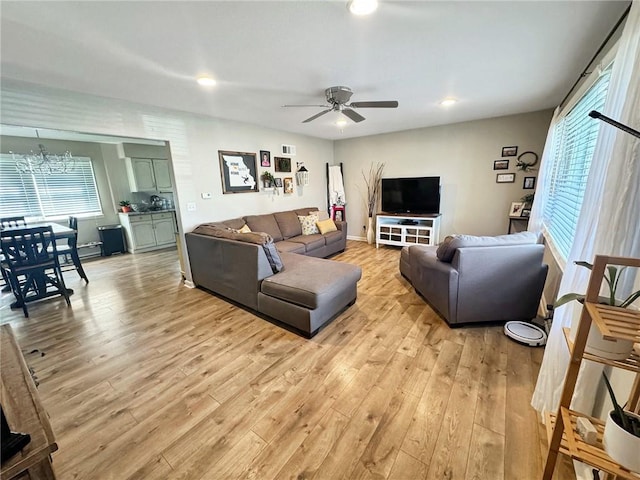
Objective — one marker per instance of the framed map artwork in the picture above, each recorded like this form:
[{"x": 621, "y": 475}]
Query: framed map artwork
[{"x": 238, "y": 171}]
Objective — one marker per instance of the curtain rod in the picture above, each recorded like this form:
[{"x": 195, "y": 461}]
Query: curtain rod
[{"x": 606, "y": 40}]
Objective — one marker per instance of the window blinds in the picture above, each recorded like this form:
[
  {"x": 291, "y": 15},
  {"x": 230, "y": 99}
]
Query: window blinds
[
  {"x": 574, "y": 139},
  {"x": 42, "y": 195}
]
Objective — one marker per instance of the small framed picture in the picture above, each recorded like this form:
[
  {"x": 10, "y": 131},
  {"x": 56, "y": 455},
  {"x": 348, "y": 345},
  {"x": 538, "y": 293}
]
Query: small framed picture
[
  {"x": 282, "y": 164},
  {"x": 265, "y": 158},
  {"x": 278, "y": 182},
  {"x": 505, "y": 178},
  {"x": 516, "y": 209},
  {"x": 501, "y": 164},
  {"x": 526, "y": 212},
  {"x": 288, "y": 184},
  {"x": 529, "y": 183},
  {"x": 509, "y": 151}
]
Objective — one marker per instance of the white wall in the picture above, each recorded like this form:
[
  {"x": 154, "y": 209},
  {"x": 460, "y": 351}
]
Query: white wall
[
  {"x": 462, "y": 155},
  {"x": 194, "y": 143}
]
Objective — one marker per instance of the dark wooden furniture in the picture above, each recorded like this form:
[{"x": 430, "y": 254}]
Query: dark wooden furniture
[
  {"x": 33, "y": 267},
  {"x": 71, "y": 248},
  {"x": 13, "y": 222},
  {"x": 24, "y": 412},
  {"x": 514, "y": 220}
]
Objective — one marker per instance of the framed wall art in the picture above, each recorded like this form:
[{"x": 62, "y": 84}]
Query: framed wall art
[
  {"x": 282, "y": 164},
  {"x": 509, "y": 151},
  {"x": 501, "y": 164},
  {"x": 516, "y": 209},
  {"x": 265, "y": 158},
  {"x": 505, "y": 177},
  {"x": 238, "y": 171},
  {"x": 288, "y": 184},
  {"x": 278, "y": 182},
  {"x": 529, "y": 183}
]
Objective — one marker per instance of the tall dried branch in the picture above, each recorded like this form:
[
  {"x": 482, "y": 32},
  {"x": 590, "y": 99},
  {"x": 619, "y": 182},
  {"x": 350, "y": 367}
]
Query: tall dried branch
[{"x": 373, "y": 182}]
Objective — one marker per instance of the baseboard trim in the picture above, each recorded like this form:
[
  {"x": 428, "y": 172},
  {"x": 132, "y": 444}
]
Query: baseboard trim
[
  {"x": 189, "y": 284},
  {"x": 357, "y": 239}
]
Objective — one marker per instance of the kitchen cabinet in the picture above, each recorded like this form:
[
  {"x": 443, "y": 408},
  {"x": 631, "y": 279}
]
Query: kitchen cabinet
[
  {"x": 149, "y": 231},
  {"x": 149, "y": 174}
]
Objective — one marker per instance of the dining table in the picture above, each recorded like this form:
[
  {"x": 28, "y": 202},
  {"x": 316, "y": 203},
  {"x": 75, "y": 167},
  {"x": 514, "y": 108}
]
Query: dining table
[{"x": 59, "y": 232}]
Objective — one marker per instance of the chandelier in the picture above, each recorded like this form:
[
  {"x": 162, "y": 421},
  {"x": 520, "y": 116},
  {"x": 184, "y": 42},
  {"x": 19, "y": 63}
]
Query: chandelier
[{"x": 43, "y": 162}]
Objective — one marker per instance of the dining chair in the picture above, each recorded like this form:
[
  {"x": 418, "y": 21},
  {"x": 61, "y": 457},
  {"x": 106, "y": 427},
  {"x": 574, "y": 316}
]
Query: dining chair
[
  {"x": 9, "y": 222},
  {"x": 71, "y": 249},
  {"x": 33, "y": 267},
  {"x": 13, "y": 222}
]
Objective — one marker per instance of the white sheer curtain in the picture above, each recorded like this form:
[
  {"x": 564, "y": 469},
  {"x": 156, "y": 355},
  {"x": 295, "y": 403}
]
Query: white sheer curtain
[
  {"x": 609, "y": 222},
  {"x": 544, "y": 177}
]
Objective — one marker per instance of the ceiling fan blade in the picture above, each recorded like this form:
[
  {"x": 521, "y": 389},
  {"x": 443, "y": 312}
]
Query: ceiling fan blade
[
  {"x": 324, "y": 106},
  {"x": 310, "y": 119},
  {"x": 353, "y": 115},
  {"x": 382, "y": 104}
]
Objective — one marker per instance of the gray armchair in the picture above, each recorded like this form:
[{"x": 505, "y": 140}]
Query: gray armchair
[{"x": 479, "y": 279}]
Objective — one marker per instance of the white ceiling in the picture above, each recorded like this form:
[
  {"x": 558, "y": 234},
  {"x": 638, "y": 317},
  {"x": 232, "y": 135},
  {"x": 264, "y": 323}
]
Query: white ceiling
[{"x": 497, "y": 58}]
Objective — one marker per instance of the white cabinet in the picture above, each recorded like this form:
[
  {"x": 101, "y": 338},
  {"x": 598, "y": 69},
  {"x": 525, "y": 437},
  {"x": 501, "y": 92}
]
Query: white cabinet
[
  {"x": 404, "y": 230},
  {"x": 149, "y": 174},
  {"x": 149, "y": 231}
]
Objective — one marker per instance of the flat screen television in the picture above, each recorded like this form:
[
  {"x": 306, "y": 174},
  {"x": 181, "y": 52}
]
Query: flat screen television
[{"x": 411, "y": 195}]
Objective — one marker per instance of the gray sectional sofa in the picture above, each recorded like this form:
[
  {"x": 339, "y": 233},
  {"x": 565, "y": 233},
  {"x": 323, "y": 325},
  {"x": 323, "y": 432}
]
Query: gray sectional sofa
[{"x": 273, "y": 270}]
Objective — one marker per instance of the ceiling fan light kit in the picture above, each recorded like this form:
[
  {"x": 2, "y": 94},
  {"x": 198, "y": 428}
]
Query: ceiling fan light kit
[{"x": 338, "y": 98}]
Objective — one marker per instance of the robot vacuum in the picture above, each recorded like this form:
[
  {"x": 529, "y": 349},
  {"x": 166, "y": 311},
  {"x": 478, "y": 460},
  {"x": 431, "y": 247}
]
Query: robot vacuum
[{"x": 526, "y": 333}]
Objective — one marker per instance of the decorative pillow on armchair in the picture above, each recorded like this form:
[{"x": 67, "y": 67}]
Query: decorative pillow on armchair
[{"x": 308, "y": 223}]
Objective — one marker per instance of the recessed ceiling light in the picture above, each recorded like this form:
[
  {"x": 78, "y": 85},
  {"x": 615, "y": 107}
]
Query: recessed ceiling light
[
  {"x": 362, "y": 7},
  {"x": 206, "y": 81},
  {"x": 448, "y": 101}
]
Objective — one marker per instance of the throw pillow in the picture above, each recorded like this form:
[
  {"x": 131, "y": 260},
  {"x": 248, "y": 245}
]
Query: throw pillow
[
  {"x": 326, "y": 226},
  {"x": 308, "y": 224},
  {"x": 445, "y": 251},
  {"x": 245, "y": 229}
]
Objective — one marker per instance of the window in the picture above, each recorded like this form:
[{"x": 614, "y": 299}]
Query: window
[
  {"x": 55, "y": 195},
  {"x": 574, "y": 140}
]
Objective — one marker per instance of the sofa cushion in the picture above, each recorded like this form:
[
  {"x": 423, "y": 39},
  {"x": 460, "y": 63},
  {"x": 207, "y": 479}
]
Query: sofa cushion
[
  {"x": 326, "y": 226},
  {"x": 322, "y": 214},
  {"x": 288, "y": 223},
  {"x": 264, "y": 223},
  {"x": 305, "y": 211},
  {"x": 292, "y": 247},
  {"x": 310, "y": 282},
  {"x": 308, "y": 224},
  {"x": 451, "y": 243},
  {"x": 310, "y": 242}
]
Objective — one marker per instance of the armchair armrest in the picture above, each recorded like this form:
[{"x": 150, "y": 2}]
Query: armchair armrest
[{"x": 436, "y": 281}]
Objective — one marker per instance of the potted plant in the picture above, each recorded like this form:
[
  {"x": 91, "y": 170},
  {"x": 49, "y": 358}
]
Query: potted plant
[
  {"x": 596, "y": 343},
  {"x": 621, "y": 437},
  {"x": 373, "y": 182},
  {"x": 268, "y": 180},
  {"x": 125, "y": 206},
  {"x": 528, "y": 200}
]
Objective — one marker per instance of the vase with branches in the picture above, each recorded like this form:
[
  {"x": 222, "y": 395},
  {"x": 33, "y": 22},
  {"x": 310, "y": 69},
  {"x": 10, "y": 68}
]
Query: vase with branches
[{"x": 373, "y": 182}]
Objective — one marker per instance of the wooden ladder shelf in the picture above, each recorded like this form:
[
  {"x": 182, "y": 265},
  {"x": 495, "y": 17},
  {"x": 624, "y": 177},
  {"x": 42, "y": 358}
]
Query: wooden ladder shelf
[{"x": 614, "y": 323}]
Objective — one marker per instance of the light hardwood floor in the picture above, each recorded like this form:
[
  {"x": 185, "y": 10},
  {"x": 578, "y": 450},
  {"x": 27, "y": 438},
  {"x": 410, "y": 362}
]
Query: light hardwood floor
[{"x": 144, "y": 378}]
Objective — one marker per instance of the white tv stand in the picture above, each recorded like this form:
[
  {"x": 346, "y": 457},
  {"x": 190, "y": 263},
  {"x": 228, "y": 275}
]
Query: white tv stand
[{"x": 405, "y": 229}]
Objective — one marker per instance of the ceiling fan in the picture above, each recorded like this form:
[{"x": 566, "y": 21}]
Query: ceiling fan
[{"x": 337, "y": 98}]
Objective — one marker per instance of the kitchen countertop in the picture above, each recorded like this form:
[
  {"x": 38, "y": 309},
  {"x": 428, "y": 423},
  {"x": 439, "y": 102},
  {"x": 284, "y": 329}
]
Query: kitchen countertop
[{"x": 148, "y": 212}]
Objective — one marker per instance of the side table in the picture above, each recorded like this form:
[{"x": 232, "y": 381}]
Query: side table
[{"x": 513, "y": 220}]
